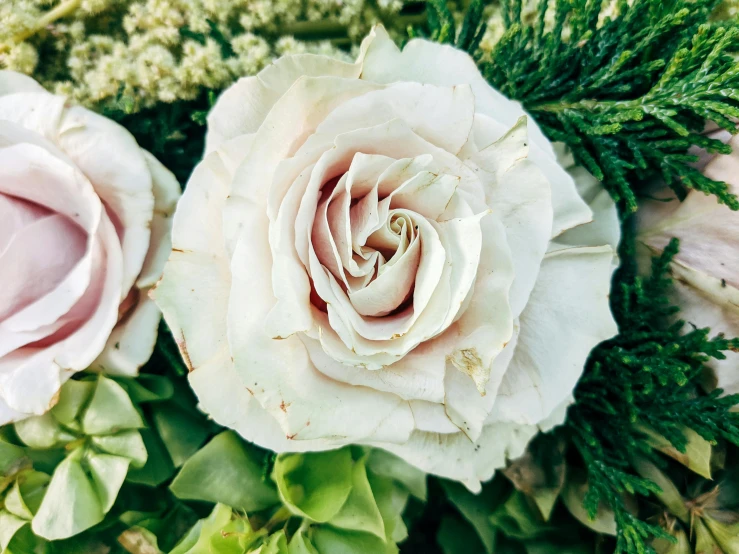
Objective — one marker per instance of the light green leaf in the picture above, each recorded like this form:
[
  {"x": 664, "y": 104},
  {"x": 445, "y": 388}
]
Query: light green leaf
[
  {"x": 234, "y": 538},
  {"x": 697, "y": 455},
  {"x": 300, "y": 544},
  {"x": 181, "y": 431},
  {"x": 226, "y": 470},
  {"x": 573, "y": 495},
  {"x": 682, "y": 546},
  {"x": 10, "y": 524},
  {"x": 110, "y": 410},
  {"x": 314, "y": 485},
  {"x": 725, "y": 534},
  {"x": 384, "y": 463},
  {"x": 42, "y": 432},
  {"x": 108, "y": 473},
  {"x": 24, "y": 499},
  {"x": 392, "y": 499},
  {"x": 276, "y": 544},
  {"x": 12, "y": 458},
  {"x": 127, "y": 444},
  {"x": 206, "y": 536},
  {"x": 73, "y": 397},
  {"x": 158, "y": 467},
  {"x": 670, "y": 496},
  {"x": 329, "y": 540},
  {"x": 360, "y": 511},
  {"x": 70, "y": 505}
]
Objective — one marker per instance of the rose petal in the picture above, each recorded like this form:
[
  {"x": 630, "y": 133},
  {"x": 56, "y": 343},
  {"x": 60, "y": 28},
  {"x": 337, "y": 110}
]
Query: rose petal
[{"x": 567, "y": 315}]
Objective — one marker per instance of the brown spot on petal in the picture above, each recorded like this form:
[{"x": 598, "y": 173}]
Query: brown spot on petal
[
  {"x": 250, "y": 391},
  {"x": 180, "y": 250},
  {"x": 182, "y": 345},
  {"x": 291, "y": 437},
  {"x": 284, "y": 406}
]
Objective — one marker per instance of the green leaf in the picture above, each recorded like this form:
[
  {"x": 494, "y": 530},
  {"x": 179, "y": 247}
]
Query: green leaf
[
  {"x": 360, "y": 511},
  {"x": 300, "y": 544},
  {"x": 126, "y": 444},
  {"x": 181, "y": 431},
  {"x": 108, "y": 473},
  {"x": 12, "y": 458},
  {"x": 73, "y": 397},
  {"x": 10, "y": 524},
  {"x": 518, "y": 518},
  {"x": 697, "y": 455},
  {"x": 329, "y": 540},
  {"x": 227, "y": 470},
  {"x": 71, "y": 503},
  {"x": 456, "y": 536},
  {"x": 148, "y": 388},
  {"x": 384, "y": 463},
  {"x": 42, "y": 432},
  {"x": 314, "y": 485},
  {"x": 218, "y": 533},
  {"x": 138, "y": 540},
  {"x": 391, "y": 500},
  {"x": 158, "y": 467},
  {"x": 276, "y": 544},
  {"x": 573, "y": 496},
  {"x": 477, "y": 509},
  {"x": 110, "y": 410},
  {"x": 24, "y": 499}
]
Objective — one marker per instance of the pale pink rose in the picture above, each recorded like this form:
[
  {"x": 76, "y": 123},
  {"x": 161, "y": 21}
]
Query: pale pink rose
[
  {"x": 84, "y": 233},
  {"x": 386, "y": 253},
  {"x": 706, "y": 269}
]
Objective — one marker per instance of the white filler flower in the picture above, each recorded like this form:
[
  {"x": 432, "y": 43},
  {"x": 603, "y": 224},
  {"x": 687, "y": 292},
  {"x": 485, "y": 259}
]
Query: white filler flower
[
  {"x": 84, "y": 233},
  {"x": 378, "y": 253}
]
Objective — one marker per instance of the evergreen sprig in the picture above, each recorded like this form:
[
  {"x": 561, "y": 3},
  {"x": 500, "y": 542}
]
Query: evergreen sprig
[
  {"x": 629, "y": 93},
  {"x": 657, "y": 367}
]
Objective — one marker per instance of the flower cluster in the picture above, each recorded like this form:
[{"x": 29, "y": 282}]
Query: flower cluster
[{"x": 168, "y": 50}]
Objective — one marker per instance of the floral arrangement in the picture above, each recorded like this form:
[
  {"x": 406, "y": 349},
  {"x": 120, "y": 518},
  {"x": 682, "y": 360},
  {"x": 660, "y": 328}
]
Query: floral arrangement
[{"x": 369, "y": 276}]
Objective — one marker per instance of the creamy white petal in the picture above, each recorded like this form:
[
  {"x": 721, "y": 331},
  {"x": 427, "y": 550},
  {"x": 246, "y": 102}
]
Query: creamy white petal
[
  {"x": 439, "y": 64},
  {"x": 567, "y": 315},
  {"x": 243, "y": 106},
  {"x": 306, "y": 403}
]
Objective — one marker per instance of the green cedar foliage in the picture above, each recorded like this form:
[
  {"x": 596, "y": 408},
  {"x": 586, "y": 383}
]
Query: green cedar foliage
[
  {"x": 657, "y": 367},
  {"x": 629, "y": 94}
]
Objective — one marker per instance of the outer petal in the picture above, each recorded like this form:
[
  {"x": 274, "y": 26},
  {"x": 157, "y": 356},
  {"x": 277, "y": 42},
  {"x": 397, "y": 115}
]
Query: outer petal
[
  {"x": 242, "y": 108},
  {"x": 427, "y": 62},
  {"x": 109, "y": 157},
  {"x": 132, "y": 341},
  {"x": 567, "y": 315},
  {"x": 455, "y": 456}
]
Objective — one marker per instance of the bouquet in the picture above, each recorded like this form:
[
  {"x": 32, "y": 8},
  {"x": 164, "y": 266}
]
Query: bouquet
[{"x": 330, "y": 277}]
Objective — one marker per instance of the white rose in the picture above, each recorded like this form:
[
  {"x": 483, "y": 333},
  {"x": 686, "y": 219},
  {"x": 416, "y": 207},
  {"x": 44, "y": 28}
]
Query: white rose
[
  {"x": 376, "y": 253},
  {"x": 84, "y": 233},
  {"x": 706, "y": 268}
]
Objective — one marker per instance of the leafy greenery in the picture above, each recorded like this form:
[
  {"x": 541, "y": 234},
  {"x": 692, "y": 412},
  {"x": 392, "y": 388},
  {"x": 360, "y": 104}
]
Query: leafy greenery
[{"x": 629, "y": 93}]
